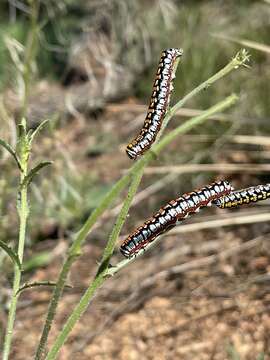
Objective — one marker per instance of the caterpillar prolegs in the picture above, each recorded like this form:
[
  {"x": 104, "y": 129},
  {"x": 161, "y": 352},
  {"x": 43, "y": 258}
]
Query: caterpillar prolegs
[
  {"x": 159, "y": 103},
  {"x": 172, "y": 213}
]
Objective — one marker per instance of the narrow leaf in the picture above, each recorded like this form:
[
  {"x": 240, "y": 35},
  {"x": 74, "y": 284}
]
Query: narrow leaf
[
  {"x": 245, "y": 42},
  {"x": 37, "y": 130},
  {"x": 37, "y": 261},
  {"x": 29, "y": 177},
  {"x": 14, "y": 257},
  {"x": 11, "y": 151},
  {"x": 38, "y": 283}
]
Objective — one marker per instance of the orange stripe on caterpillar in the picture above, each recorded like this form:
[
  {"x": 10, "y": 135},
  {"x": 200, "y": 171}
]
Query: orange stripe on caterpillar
[{"x": 158, "y": 106}]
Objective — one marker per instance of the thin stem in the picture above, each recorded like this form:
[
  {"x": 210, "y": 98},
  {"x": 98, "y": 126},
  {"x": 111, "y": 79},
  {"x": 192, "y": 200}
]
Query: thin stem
[
  {"x": 239, "y": 59},
  {"x": 22, "y": 207},
  {"x": 103, "y": 270},
  {"x": 188, "y": 125},
  {"x": 108, "y": 251},
  {"x": 76, "y": 314},
  {"x": 74, "y": 251},
  {"x": 23, "y": 215}
]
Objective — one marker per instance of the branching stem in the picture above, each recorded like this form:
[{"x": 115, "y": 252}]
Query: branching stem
[{"x": 240, "y": 59}]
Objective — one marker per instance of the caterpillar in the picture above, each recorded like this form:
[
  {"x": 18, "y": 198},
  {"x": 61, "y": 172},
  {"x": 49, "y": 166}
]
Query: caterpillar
[
  {"x": 171, "y": 214},
  {"x": 159, "y": 103},
  {"x": 244, "y": 196}
]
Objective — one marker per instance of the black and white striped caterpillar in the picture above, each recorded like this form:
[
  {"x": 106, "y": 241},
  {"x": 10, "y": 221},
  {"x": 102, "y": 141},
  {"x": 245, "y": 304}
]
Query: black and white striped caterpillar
[
  {"x": 244, "y": 196},
  {"x": 159, "y": 103},
  {"x": 172, "y": 213}
]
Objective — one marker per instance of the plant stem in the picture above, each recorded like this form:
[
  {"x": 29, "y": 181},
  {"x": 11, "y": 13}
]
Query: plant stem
[
  {"x": 103, "y": 270},
  {"x": 108, "y": 251},
  {"x": 239, "y": 59},
  {"x": 22, "y": 206},
  {"x": 23, "y": 215},
  {"x": 74, "y": 251}
]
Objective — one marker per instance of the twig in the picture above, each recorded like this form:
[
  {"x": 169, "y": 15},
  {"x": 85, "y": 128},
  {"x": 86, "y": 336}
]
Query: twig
[
  {"x": 223, "y": 168},
  {"x": 252, "y": 140},
  {"x": 183, "y": 112},
  {"x": 245, "y": 42},
  {"x": 233, "y": 220}
]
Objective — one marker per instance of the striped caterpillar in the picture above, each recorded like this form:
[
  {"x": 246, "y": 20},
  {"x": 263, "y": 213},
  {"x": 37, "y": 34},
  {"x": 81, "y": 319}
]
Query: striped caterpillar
[
  {"x": 171, "y": 214},
  {"x": 245, "y": 196},
  {"x": 159, "y": 103}
]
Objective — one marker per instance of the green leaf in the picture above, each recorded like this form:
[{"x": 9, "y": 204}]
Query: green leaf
[
  {"x": 38, "y": 283},
  {"x": 32, "y": 135},
  {"x": 11, "y": 151},
  {"x": 29, "y": 177},
  {"x": 14, "y": 257},
  {"x": 261, "y": 356},
  {"x": 36, "y": 261}
]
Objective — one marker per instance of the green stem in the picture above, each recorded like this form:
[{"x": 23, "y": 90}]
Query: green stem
[
  {"x": 103, "y": 270},
  {"x": 76, "y": 314},
  {"x": 108, "y": 251},
  {"x": 188, "y": 125},
  {"x": 30, "y": 52},
  {"x": 74, "y": 251},
  {"x": 238, "y": 60},
  {"x": 23, "y": 215}
]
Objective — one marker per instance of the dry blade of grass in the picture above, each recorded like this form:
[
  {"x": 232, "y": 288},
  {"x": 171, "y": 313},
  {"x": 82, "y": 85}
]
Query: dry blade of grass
[
  {"x": 252, "y": 140},
  {"x": 231, "y": 221},
  {"x": 237, "y": 139},
  {"x": 142, "y": 109},
  {"x": 222, "y": 168},
  {"x": 245, "y": 42},
  {"x": 139, "y": 110}
]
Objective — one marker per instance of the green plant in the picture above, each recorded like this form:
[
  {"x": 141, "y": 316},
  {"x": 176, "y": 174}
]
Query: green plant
[
  {"x": 21, "y": 155},
  {"x": 132, "y": 178}
]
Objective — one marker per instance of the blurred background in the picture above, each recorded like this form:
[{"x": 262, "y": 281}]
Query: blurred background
[{"x": 203, "y": 291}]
